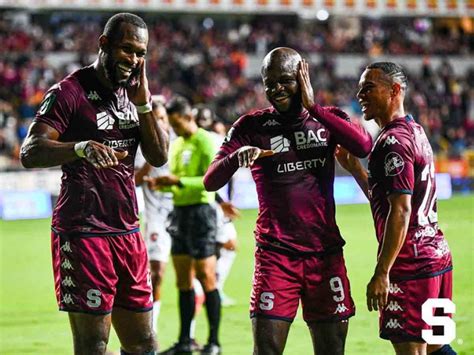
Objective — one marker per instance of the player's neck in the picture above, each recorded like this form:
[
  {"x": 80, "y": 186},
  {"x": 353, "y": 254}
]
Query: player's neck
[
  {"x": 100, "y": 70},
  {"x": 191, "y": 130},
  {"x": 393, "y": 115}
]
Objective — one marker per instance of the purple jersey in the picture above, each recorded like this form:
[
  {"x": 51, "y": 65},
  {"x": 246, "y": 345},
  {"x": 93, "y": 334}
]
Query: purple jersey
[
  {"x": 295, "y": 185},
  {"x": 93, "y": 201},
  {"x": 402, "y": 161}
]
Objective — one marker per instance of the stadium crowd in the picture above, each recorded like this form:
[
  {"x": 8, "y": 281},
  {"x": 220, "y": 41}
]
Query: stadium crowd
[{"x": 205, "y": 59}]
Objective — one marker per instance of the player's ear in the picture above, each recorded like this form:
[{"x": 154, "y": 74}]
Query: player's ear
[
  {"x": 396, "y": 88},
  {"x": 103, "y": 43}
]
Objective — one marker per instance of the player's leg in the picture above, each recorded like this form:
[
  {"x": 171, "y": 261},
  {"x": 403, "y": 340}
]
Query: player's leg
[
  {"x": 269, "y": 335},
  {"x": 134, "y": 331},
  {"x": 90, "y": 333},
  {"x": 227, "y": 254},
  {"x": 327, "y": 302},
  {"x": 410, "y": 348}
]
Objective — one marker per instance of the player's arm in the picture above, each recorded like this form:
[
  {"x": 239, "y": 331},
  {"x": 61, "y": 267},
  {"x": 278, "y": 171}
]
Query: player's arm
[
  {"x": 353, "y": 137},
  {"x": 154, "y": 139},
  {"x": 396, "y": 228},
  {"x": 140, "y": 173},
  {"x": 354, "y": 167},
  {"x": 41, "y": 149}
]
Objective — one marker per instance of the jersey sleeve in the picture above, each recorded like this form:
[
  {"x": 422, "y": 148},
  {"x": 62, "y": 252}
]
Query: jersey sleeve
[
  {"x": 58, "y": 106},
  {"x": 226, "y": 162},
  {"x": 397, "y": 158}
]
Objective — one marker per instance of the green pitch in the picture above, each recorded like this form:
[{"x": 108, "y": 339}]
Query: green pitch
[{"x": 31, "y": 324}]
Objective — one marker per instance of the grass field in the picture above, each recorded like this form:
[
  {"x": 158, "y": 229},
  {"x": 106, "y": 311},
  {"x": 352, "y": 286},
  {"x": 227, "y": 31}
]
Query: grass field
[{"x": 31, "y": 324}]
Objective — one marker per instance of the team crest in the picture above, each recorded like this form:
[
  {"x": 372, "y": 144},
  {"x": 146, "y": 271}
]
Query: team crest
[{"x": 393, "y": 164}]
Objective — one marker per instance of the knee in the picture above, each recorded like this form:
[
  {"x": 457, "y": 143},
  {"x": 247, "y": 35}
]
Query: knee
[
  {"x": 94, "y": 344},
  {"x": 145, "y": 345},
  {"x": 207, "y": 280}
]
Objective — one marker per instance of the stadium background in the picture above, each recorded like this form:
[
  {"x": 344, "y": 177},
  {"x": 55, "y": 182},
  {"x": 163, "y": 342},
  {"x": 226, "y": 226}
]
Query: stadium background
[{"x": 210, "y": 51}]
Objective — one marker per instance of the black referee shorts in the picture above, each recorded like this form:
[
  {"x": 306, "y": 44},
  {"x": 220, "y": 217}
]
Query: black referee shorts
[{"x": 193, "y": 231}]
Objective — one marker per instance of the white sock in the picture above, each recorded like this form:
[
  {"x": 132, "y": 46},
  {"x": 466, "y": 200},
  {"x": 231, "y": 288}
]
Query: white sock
[
  {"x": 224, "y": 264},
  {"x": 192, "y": 330},
  {"x": 155, "y": 315}
]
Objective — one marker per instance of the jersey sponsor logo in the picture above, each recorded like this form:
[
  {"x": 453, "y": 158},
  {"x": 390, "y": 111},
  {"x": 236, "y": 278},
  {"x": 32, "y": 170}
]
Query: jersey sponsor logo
[
  {"x": 341, "y": 308},
  {"x": 393, "y": 306},
  {"x": 127, "y": 120},
  {"x": 68, "y": 282},
  {"x": 67, "y": 299},
  {"x": 266, "y": 301},
  {"x": 93, "y": 298},
  {"x": 427, "y": 231},
  {"x": 443, "y": 248},
  {"x": 301, "y": 165},
  {"x": 66, "y": 247},
  {"x": 393, "y": 288},
  {"x": 93, "y": 96},
  {"x": 279, "y": 144},
  {"x": 393, "y": 164},
  {"x": 66, "y": 264},
  {"x": 393, "y": 324},
  {"x": 104, "y": 121},
  {"x": 310, "y": 139},
  {"x": 47, "y": 103},
  {"x": 271, "y": 123},
  {"x": 120, "y": 143},
  {"x": 390, "y": 141},
  {"x": 229, "y": 135}
]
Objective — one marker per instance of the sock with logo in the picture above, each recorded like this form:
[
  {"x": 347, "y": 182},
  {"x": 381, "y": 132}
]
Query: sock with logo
[
  {"x": 444, "y": 350},
  {"x": 155, "y": 315},
  {"x": 186, "y": 313},
  {"x": 213, "y": 308}
]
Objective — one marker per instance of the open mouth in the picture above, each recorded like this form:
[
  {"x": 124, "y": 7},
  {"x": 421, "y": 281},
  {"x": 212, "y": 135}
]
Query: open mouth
[
  {"x": 281, "y": 99},
  {"x": 125, "y": 70}
]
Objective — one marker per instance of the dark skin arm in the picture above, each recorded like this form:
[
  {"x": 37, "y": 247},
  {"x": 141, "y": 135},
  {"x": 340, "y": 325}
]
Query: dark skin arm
[
  {"x": 353, "y": 166},
  {"x": 396, "y": 228},
  {"x": 41, "y": 149},
  {"x": 154, "y": 139},
  {"x": 141, "y": 173}
]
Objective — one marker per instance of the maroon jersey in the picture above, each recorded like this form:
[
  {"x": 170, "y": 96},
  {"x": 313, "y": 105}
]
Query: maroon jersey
[
  {"x": 93, "y": 201},
  {"x": 402, "y": 162},
  {"x": 295, "y": 185}
]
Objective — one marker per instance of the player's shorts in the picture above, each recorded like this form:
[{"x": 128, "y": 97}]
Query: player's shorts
[
  {"x": 193, "y": 231},
  {"x": 93, "y": 274},
  {"x": 158, "y": 240},
  {"x": 281, "y": 280},
  {"x": 401, "y": 320}
]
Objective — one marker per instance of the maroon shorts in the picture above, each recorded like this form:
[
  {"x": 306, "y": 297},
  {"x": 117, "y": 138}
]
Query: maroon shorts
[
  {"x": 401, "y": 320},
  {"x": 282, "y": 280},
  {"x": 95, "y": 274}
]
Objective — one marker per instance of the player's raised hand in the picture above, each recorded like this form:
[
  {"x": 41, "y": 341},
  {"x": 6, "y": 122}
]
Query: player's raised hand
[
  {"x": 307, "y": 93},
  {"x": 377, "y": 292},
  {"x": 138, "y": 91},
  {"x": 102, "y": 156},
  {"x": 248, "y": 154}
]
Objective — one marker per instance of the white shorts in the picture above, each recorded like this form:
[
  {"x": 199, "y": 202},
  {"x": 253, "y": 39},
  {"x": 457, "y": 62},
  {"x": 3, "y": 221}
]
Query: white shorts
[{"x": 158, "y": 241}]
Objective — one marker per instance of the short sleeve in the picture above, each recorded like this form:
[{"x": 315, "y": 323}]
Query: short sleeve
[
  {"x": 397, "y": 158},
  {"x": 57, "y": 107}
]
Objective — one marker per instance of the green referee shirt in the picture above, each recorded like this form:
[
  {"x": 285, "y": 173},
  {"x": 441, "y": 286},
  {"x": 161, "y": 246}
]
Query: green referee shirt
[{"x": 189, "y": 159}]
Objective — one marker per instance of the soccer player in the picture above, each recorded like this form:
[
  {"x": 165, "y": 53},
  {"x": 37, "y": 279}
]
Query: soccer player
[
  {"x": 290, "y": 150},
  {"x": 91, "y": 124},
  {"x": 414, "y": 261},
  {"x": 193, "y": 224}
]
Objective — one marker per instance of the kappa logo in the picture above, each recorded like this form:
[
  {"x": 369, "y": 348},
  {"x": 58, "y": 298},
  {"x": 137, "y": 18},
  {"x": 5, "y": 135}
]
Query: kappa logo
[
  {"x": 393, "y": 288},
  {"x": 66, "y": 247},
  {"x": 341, "y": 308},
  {"x": 280, "y": 144},
  {"x": 67, "y": 299},
  {"x": 93, "y": 96},
  {"x": 393, "y": 306},
  {"x": 68, "y": 282},
  {"x": 310, "y": 139},
  {"x": 393, "y": 324},
  {"x": 390, "y": 141},
  {"x": 393, "y": 164},
  {"x": 104, "y": 121},
  {"x": 67, "y": 265},
  {"x": 271, "y": 123}
]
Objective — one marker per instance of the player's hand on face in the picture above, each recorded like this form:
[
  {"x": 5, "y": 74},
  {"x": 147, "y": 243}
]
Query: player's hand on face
[
  {"x": 230, "y": 211},
  {"x": 307, "y": 93},
  {"x": 377, "y": 292},
  {"x": 138, "y": 92},
  {"x": 102, "y": 156},
  {"x": 248, "y": 154},
  {"x": 347, "y": 160}
]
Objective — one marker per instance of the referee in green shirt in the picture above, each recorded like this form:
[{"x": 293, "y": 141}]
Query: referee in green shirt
[{"x": 193, "y": 225}]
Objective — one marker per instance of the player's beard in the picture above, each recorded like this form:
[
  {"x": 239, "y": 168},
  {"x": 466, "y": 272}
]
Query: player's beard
[{"x": 110, "y": 67}]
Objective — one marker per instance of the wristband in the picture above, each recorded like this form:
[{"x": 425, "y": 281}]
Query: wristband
[
  {"x": 144, "y": 108},
  {"x": 80, "y": 148}
]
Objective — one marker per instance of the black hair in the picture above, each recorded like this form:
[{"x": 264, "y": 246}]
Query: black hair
[
  {"x": 179, "y": 105},
  {"x": 393, "y": 70},
  {"x": 112, "y": 27}
]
